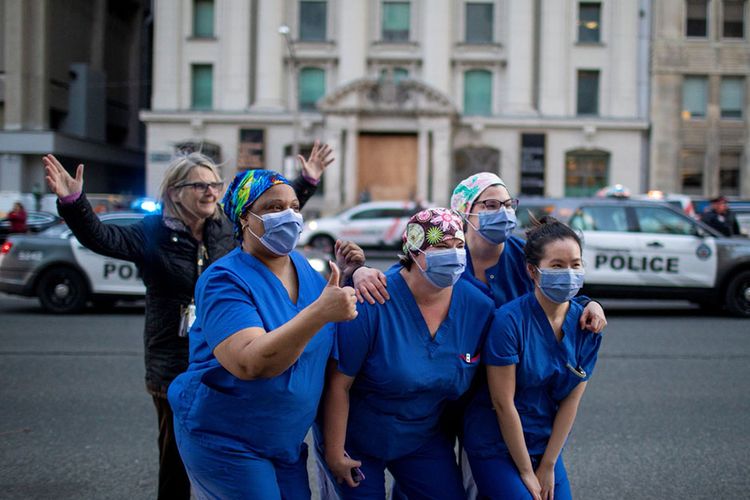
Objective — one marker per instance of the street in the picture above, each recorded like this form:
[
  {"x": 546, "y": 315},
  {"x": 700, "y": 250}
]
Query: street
[{"x": 665, "y": 415}]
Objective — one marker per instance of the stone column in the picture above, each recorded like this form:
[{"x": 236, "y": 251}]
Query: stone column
[
  {"x": 423, "y": 158},
  {"x": 334, "y": 173},
  {"x": 234, "y": 43},
  {"x": 271, "y": 49},
  {"x": 351, "y": 39},
  {"x": 437, "y": 34},
  {"x": 520, "y": 57},
  {"x": 351, "y": 162},
  {"x": 441, "y": 161},
  {"x": 168, "y": 84}
]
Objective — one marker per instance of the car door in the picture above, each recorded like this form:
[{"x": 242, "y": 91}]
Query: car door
[
  {"x": 108, "y": 275},
  {"x": 609, "y": 242},
  {"x": 368, "y": 226},
  {"x": 671, "y": 250}
]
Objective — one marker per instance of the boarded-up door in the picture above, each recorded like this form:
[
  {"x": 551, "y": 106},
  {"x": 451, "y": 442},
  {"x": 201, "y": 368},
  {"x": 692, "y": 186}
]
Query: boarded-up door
[{"x": 387, "y": 166}]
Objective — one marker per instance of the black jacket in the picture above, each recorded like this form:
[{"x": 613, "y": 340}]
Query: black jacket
[{"x": 166, "y": 256}]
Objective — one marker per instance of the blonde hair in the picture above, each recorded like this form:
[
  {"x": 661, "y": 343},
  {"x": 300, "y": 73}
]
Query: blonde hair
[{"x": 177, "y": 173}]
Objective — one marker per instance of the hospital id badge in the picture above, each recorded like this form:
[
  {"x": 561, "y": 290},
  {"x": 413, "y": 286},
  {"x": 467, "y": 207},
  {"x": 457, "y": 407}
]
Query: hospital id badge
[{"x": 187, "y": 318}]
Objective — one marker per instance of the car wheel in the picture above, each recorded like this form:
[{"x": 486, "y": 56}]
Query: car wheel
[
  {"x": 738, "y": 295},
  {"x": 323, "y": 243},
  {"x": 62, "y": 290}
]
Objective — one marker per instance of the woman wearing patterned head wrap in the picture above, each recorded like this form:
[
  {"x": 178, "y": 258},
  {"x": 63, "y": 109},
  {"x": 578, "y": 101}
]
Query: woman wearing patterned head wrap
[
  {"x": 169, "y": 249},
  {"x": 258, "y": 351},
  {"x": 400, "y": 362}
]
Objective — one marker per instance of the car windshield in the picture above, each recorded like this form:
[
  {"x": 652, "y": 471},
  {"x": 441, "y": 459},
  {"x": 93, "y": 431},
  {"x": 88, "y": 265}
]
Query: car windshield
[{"x": 54, "y": 231}]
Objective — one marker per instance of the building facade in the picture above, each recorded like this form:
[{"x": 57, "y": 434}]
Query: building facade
[
  {"x": 73, "y": 76},
  {"x": 699, "y": 105},
  {"x": 413, "y": 95}
]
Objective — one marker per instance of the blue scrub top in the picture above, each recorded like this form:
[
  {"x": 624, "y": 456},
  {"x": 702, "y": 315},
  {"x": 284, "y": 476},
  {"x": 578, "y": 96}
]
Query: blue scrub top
[
  {"x": 404, "y": 377},
  {"x": 507, "y": 279},
  {"x": 521, "y": 334},
  {"x": 269, "y": 417}
]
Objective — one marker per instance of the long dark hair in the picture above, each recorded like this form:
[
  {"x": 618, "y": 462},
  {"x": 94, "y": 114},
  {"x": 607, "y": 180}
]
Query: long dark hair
[{"x": 542, "y": 232}]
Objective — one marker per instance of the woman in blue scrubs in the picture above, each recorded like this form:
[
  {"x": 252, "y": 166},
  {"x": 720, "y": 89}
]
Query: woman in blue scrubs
[
  {"x": 258, "y": 351},
  {"x": 400, "y": 362},
  {"x": 538, "y": 360}
]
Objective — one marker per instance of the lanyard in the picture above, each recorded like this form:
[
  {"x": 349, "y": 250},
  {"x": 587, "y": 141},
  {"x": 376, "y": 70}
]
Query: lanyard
[{"x": 202, "y": 257}]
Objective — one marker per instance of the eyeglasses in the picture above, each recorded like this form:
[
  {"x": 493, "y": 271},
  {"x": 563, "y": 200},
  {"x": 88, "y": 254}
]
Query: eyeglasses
[
  {"x": 494, "y": 205},
  {"x": 203, "y": 186}
]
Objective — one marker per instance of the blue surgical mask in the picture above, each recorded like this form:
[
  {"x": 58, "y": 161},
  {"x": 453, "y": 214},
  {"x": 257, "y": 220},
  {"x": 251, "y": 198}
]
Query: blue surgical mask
[
  {"x": 282, "y": 230},
  {"x": 444, "y": 267},
  {"x": 560, "y": 285},
  {"x": 496, "y": 227}
]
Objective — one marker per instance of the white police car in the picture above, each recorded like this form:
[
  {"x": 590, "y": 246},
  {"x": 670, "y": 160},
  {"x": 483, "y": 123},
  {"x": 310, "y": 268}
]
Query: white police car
[
  {"x": 372, "y": 224},
  {"x": 648, "y": 250},
  {"x": 62, "y": 273}
]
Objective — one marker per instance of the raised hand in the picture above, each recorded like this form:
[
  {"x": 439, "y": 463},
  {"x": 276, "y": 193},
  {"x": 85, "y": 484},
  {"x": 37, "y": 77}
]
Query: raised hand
[
  {"x": 59, "y": 180},
  {"x": 320, "y": 157},
  {"x": 349, "y": 257},
  {"x": 336, "y": 303}
]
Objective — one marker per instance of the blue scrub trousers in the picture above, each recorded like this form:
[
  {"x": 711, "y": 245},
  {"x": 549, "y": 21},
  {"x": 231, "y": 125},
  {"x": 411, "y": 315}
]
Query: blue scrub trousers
[
  {"x": 498, "y": 478},
  {"x": 430, "y": 472},
  {"x": 223, "y": 473}
]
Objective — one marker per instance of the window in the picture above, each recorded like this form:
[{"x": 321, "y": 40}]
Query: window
[
  {"x": 694, "y": 97},
  {"x": 478, "y": 93},
  {"x": 312, "y": 86},
  {"x": 396, "y": 21},
  {"x": 312, "y": 21},
  {"x": 732, "y": 96},
  {"x": 589, "y": 22},
  {"x": 697, "y": 18},
  {"x": 588, "y": 93},
  {"x": 586, "y": 172},
  {"x": 663, "y": 221},
  {"x": 397, "y": 74},
  {"x": 692, "y": 172},
  {"x": 479, "y": 22},
  {"x": 203, "y": 18},
  {"x": 734, "y": 19},
  {"x": 729, "y": 173},
  {"x": 202, "y": 91},
  {"x": 600, "y": 218}
]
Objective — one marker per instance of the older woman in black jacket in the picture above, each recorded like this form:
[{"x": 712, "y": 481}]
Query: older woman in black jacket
[{"x": 170, "y": 250}]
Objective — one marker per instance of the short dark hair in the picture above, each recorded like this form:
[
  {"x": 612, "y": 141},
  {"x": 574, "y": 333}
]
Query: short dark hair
[
  {"x": 545, "y": 231},
  {"x": 719, "y": 199},
  {"x": 406, "y": 260}
]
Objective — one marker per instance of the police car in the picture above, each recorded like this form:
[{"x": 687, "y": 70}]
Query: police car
[
  {"x": 372, "y": 224},
  {"x": 64, "y": 274},
  {"x": 649, "y": 250}
]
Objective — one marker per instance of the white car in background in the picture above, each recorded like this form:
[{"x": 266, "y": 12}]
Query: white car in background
[{"x": 375, "y": 224}]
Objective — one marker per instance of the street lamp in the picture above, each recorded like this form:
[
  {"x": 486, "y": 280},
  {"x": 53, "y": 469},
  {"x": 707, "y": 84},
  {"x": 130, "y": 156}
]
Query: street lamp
[{"x": 285, "y": 32}]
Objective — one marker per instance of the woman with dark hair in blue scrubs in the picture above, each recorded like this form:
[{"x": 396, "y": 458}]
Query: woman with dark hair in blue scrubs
[
  {"x": 258, "y": 352},
  {"x": 538, "y": 360},
  {"x": 399, "y": 363}
]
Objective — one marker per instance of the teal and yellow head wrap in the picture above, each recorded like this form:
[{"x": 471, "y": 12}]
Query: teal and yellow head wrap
[{"x": 246, "y": 187}]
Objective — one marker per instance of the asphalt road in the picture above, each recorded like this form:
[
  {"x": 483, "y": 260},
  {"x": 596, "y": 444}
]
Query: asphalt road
[{"x": 665, "y": 415}]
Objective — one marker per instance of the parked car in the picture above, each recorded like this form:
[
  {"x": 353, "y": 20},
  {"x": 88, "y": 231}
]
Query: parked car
[
  {"x": 647, "y": 249},
  {"x": 374, "y": 224},
  {"x": 35, "y": 223},
  {"x": 64, "y": 275}
]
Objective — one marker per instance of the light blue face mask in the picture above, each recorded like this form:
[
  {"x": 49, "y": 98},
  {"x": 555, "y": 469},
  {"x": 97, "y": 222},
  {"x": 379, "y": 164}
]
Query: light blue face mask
[
  {"x": 444, "y": 267},
  {"x": 282, "y": 230},
  {"x": 496, "y": 227},
  {"x": 560, "y": 285}
]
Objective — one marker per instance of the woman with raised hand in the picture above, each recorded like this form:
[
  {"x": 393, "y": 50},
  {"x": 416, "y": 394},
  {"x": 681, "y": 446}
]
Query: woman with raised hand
[
  {"x": 170, "y": 250},
  {"x": 399, "y": 363},
  {"x": 539, "y": 359},
  {"x": 259, "y": 346}
]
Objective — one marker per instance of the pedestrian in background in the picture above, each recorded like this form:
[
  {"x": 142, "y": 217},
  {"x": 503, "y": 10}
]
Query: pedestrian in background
[
  {"x": 539, "y": 359},
  {"x": 258, "y": 352},
  {"x": 400, "y": 362},
  {"x": 719, "y": 217},
  {"x": 171, "y": 250},
  {"x": 17, "y": 218}
]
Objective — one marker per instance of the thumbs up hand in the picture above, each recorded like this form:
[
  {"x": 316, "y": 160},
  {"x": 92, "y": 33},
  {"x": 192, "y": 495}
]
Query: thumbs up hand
[{"x": 336, "y": 303}]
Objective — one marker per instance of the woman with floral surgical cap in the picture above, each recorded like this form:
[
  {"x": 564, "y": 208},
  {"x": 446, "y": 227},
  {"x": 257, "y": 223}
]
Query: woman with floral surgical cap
[
  {"x": 399, "y": 363},
  {"x": 258, "y": 350}
]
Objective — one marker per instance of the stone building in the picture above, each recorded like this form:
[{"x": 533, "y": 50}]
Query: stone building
[
  {"x": 73, "y": 76},
  {"x": 413, "y": 95},
  {"x": 699, "y": 103}
]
